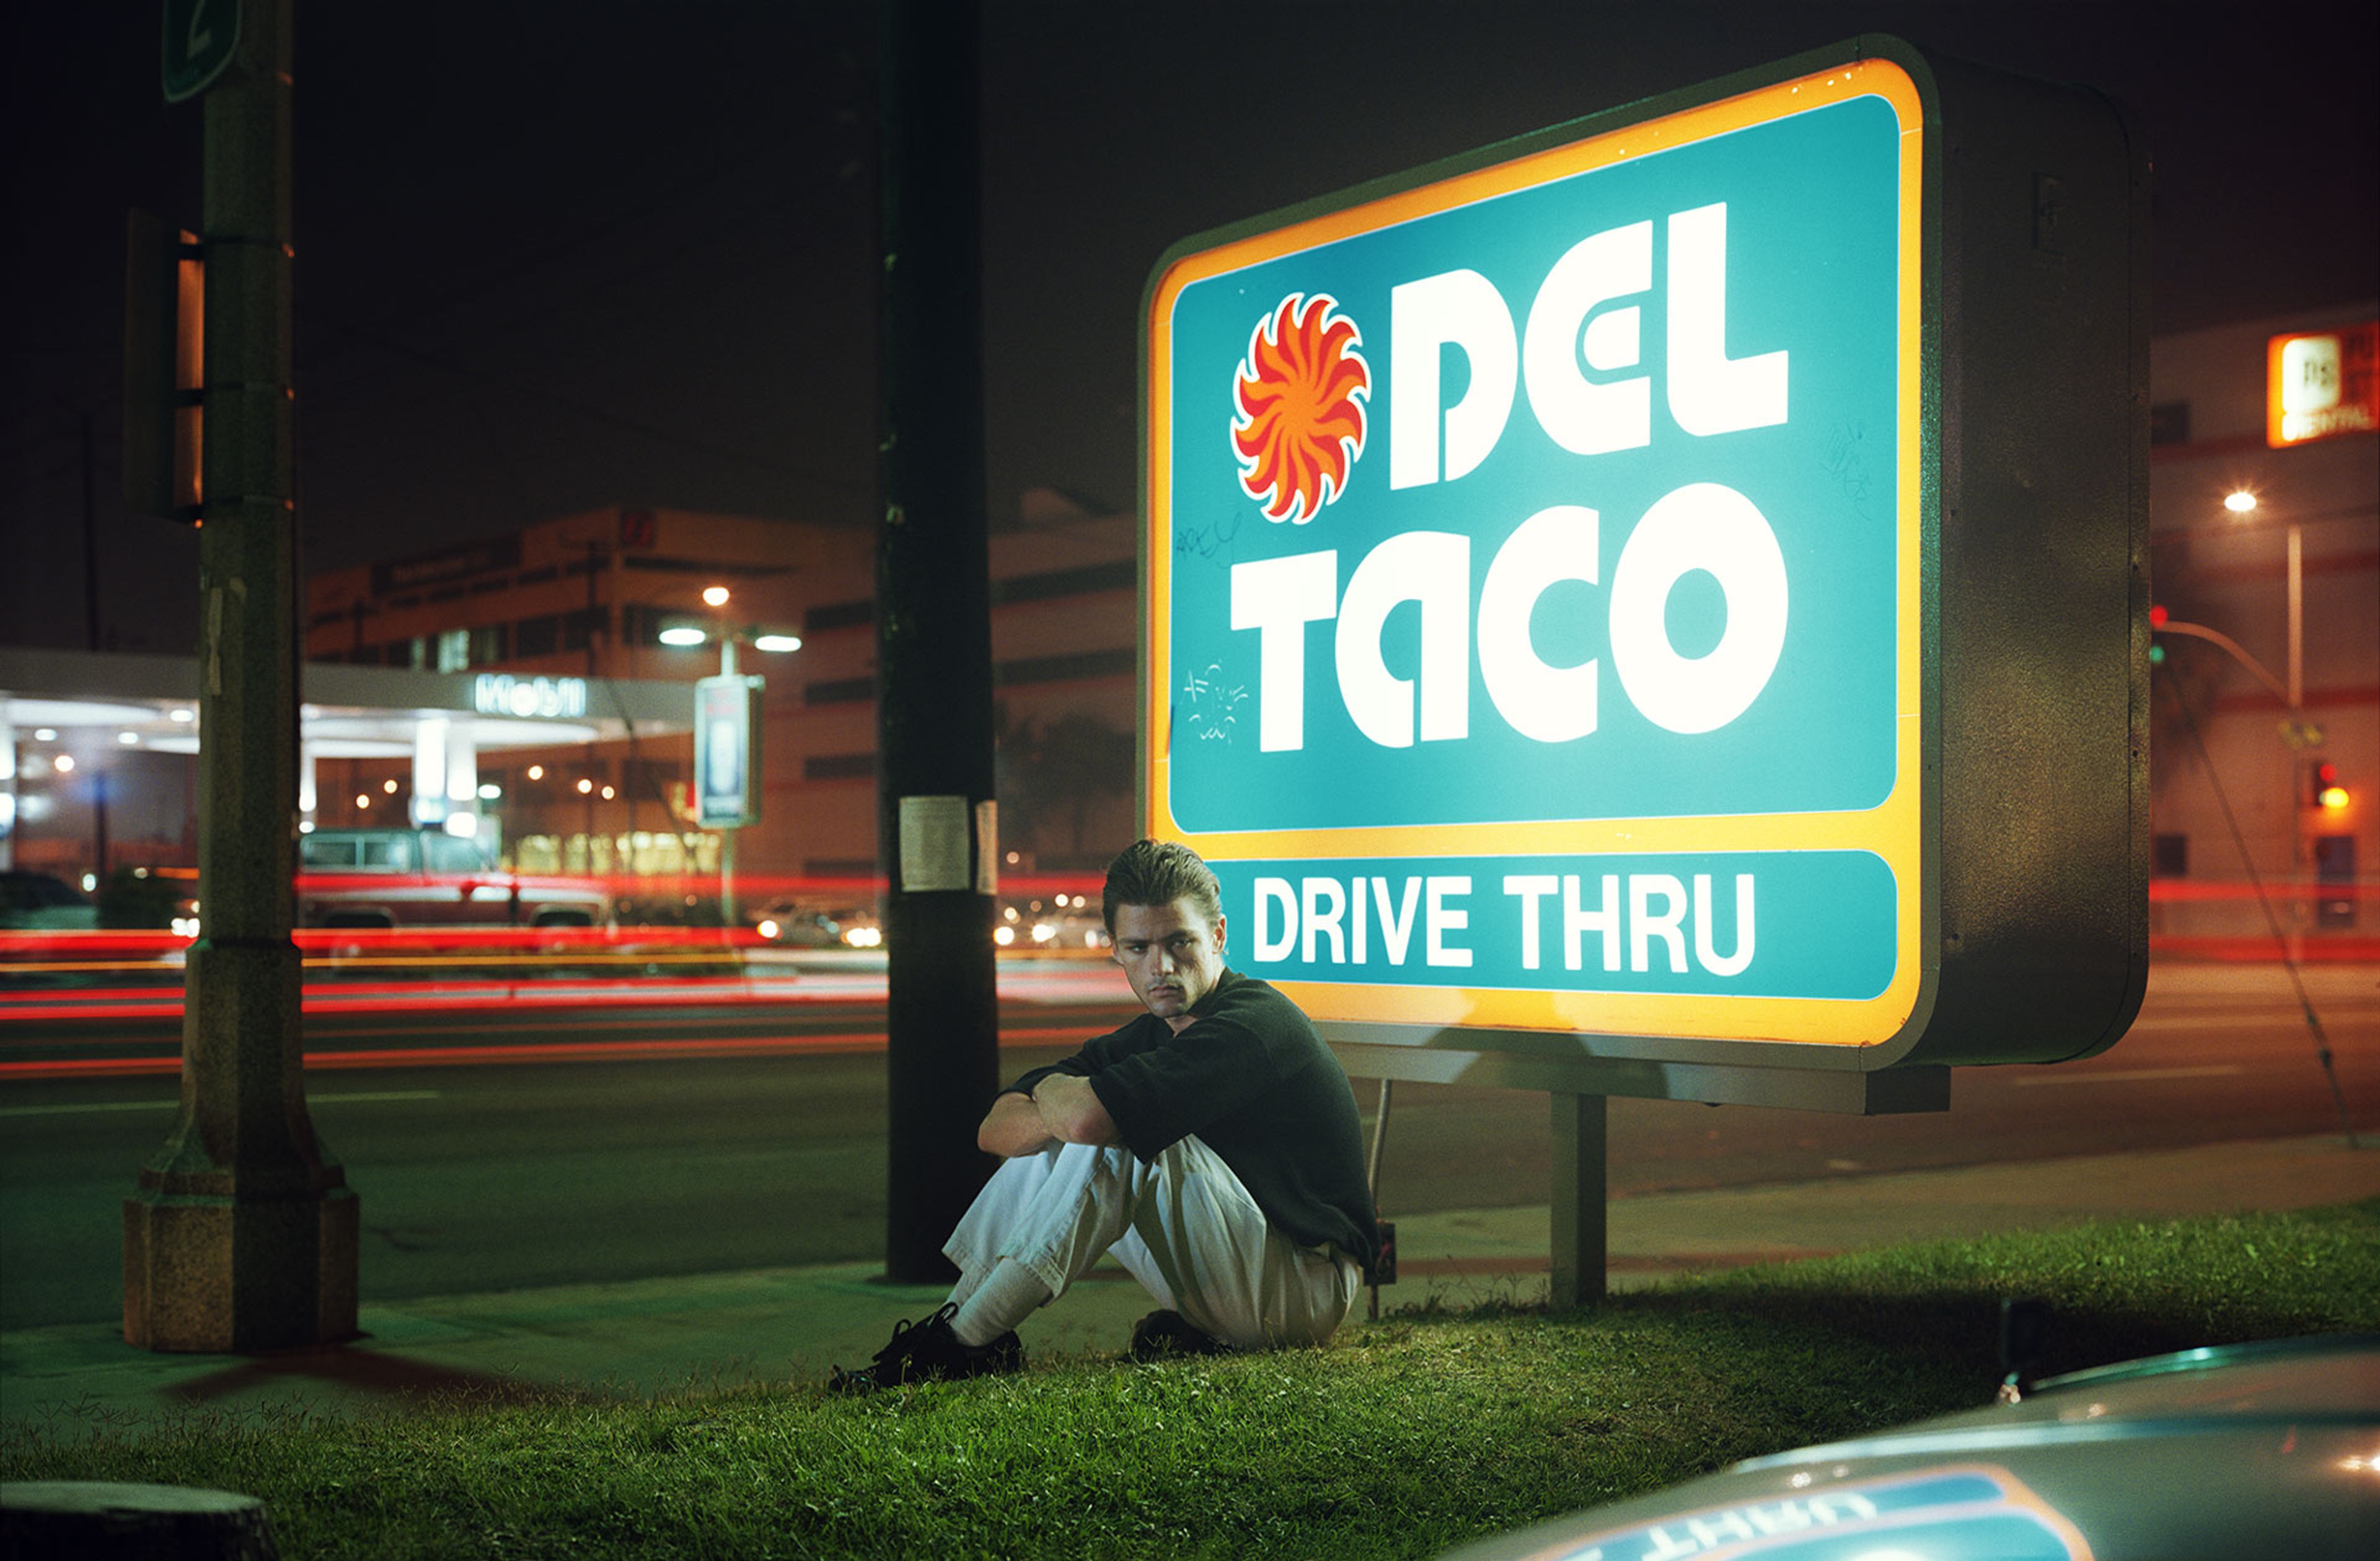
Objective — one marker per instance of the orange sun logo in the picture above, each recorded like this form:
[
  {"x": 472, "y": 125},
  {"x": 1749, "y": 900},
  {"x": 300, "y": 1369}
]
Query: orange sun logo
[{"x": 1301, "y": 392}]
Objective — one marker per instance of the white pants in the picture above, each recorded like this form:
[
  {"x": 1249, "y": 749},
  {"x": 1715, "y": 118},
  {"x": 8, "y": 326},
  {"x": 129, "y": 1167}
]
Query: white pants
[{"x": 1182, "y": 1225}]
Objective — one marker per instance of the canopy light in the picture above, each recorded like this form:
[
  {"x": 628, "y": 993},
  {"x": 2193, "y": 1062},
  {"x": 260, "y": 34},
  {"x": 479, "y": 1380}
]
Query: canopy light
[
  {"x": 685, "y": 634},
  {"x": 778, "y": 642}
]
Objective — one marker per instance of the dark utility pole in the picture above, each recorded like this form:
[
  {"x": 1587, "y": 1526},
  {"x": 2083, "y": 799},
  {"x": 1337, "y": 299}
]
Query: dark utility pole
[
  {"x": 242, "y": 1236},
  {"x": 933, "y": 632},
  {"x": 90, "y": 542},
  {"x": 90, "y": 622}
]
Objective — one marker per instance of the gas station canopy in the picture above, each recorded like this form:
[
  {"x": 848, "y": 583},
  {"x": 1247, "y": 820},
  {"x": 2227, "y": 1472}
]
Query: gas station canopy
[{"x": 345, "y": 712}]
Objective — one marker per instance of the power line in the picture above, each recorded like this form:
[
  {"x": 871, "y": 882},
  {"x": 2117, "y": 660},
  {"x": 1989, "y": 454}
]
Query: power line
[{"x": 2272, "y": 918}]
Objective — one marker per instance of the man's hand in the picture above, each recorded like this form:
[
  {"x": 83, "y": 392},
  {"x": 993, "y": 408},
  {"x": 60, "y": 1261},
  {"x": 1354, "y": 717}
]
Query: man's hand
[
  {"x": 1061, "y": 1108},
  {"x": 1012, "y": 1127},
  {"x": 1071, "y": 1111}
]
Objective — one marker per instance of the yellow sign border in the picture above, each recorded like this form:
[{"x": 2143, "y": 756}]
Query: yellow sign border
[{"x": 1893, "y": 830}]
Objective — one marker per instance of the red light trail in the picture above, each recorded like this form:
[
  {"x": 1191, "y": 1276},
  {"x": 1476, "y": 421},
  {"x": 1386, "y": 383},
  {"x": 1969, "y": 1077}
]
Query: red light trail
[{"x": 639, "y": 1050}]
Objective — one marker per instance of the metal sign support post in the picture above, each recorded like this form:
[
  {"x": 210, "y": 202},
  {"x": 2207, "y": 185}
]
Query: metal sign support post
[
  {"x": 728, "y": 919},
  {"x": 1580, "y": 1189}
]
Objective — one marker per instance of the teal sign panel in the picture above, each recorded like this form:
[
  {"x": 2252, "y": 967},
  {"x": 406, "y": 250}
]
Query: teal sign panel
[
  {"x": 1604, "y": 525},
  {"x": 1651, "y": 924}
]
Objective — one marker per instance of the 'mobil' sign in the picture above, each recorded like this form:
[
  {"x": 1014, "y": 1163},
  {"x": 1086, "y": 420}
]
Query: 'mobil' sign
[{"x": 1562, "y": 611}]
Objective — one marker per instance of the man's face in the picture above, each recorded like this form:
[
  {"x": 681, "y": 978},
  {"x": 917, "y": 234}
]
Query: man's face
[{"x": 1171, "y": 955}]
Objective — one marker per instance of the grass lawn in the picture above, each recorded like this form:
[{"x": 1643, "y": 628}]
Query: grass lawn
[{"x": 1433, "y": 1425}]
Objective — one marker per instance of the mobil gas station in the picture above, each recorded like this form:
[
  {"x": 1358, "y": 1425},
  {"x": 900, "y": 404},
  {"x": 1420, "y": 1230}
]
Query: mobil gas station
[{"x": 104, "y": 748}]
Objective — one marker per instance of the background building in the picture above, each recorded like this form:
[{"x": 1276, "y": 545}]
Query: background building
[
  {"x": 592, "y": 595},
  {"x": 2227, "y": 749}
]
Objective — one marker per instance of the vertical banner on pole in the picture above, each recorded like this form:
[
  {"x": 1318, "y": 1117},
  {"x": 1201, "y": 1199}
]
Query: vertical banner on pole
[{"x": 727, "y": 731}]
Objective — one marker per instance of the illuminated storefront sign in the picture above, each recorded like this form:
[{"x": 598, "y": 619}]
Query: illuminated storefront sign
[
  {"x": 550, "y": 699},
  {"x": 2320, "y": 385},
  {"x": 1545, "y": 606},
  {"x": 1557, "y": 525}
]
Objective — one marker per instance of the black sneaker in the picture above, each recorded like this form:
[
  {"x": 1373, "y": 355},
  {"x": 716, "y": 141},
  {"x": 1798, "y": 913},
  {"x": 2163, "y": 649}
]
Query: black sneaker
[
  {"x": 1163, "y": 1336},
  {"x": 930, "y": 1351}
]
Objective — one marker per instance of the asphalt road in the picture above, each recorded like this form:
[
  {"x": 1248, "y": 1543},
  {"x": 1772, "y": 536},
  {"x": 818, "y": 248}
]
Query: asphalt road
[{"x": 756, "y": 1140}]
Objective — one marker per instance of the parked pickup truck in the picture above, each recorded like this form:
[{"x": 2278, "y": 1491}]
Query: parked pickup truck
[{"x": 428, "y": 878}]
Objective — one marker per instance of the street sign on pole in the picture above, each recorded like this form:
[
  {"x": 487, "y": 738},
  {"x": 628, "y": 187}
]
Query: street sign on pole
[
  {"x": 200, "y": 38},
  {"x": 1557, "y": 593}
]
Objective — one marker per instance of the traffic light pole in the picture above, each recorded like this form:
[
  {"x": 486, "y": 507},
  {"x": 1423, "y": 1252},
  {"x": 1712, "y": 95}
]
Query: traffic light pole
[{"x": 242, "y": 1234}]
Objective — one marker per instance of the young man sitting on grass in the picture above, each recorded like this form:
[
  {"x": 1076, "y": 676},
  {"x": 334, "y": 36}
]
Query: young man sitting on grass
[{"x": 1211, "y": 1144}]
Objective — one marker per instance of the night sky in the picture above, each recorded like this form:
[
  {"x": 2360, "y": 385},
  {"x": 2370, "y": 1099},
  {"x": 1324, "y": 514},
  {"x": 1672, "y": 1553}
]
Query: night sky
[{"x": 557, "y": 256}]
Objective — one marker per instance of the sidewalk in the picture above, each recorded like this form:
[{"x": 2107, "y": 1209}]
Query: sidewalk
[{"x": 790, "y": 1324}]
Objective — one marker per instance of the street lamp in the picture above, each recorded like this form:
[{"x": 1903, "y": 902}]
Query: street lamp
[
  {"x": 2297, "y": 732},
  {"x": 685, "y": 636},
  {"x": 2291, "y": 693},
  {"x": 727, "y": 716},
  {"x": 2242, "y": 502}
]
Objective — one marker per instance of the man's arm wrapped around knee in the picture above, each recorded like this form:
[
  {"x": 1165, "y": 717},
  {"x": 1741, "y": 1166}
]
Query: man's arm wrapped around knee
[
  {"x": 1012, "y": 1127},
  {"x": 1063, "y": 1107},
  {"x": 1073, "y": 1111}
]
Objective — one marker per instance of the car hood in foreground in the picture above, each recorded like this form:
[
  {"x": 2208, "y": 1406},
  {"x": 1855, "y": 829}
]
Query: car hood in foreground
[{"x": 2243, "y": 1450}]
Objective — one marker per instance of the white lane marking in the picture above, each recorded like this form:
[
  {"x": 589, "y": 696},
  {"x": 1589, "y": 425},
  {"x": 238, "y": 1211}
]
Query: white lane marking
[
  {"x": 154, "y": 1105},
  {"x": 2132, "y": 1076}
]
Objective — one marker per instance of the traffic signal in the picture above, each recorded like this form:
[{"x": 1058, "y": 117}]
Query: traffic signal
[
  {"x": 2327, "y": 793},
  {"x": 165, "y": 313}
]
